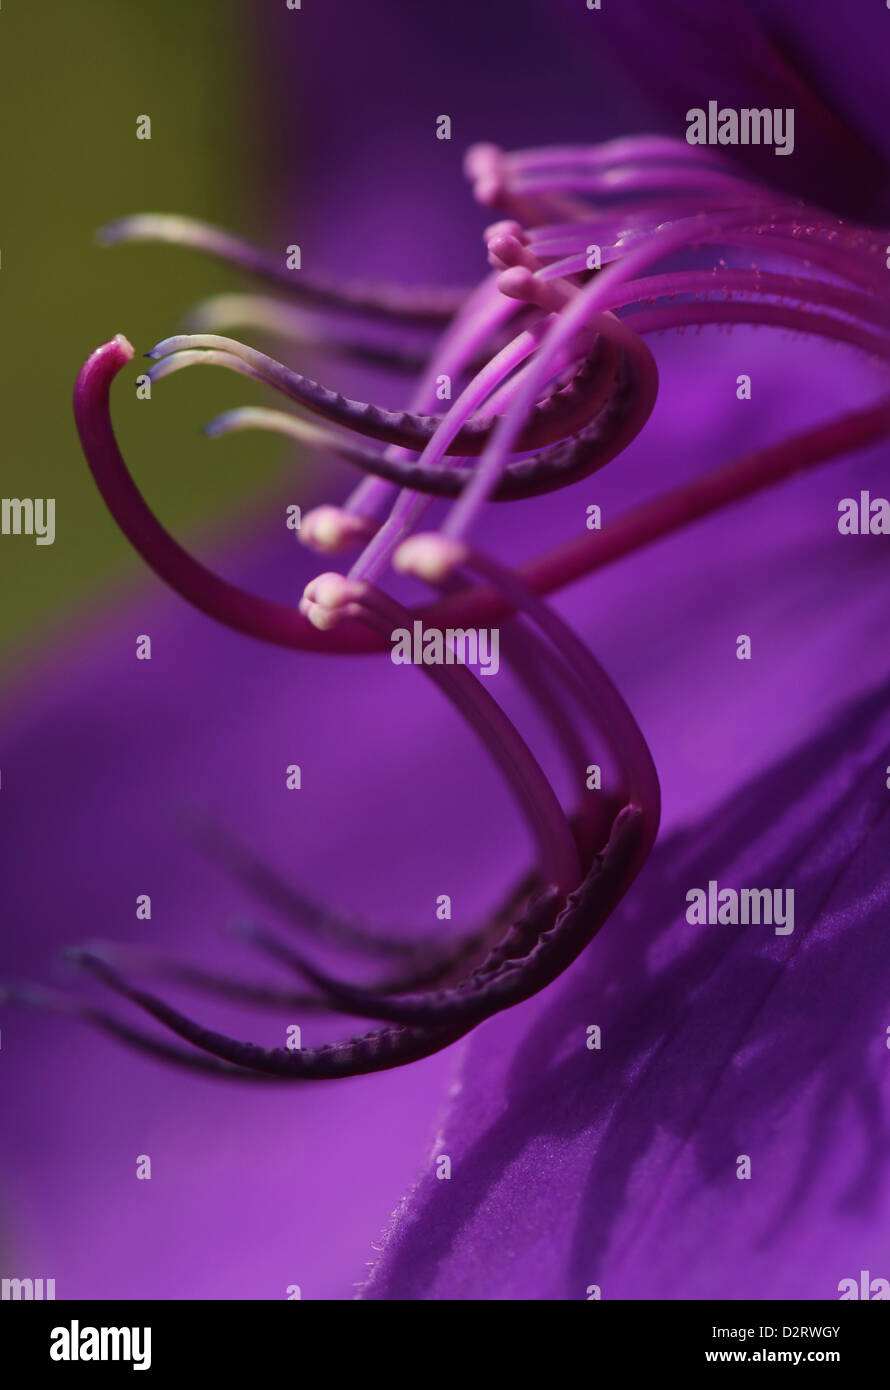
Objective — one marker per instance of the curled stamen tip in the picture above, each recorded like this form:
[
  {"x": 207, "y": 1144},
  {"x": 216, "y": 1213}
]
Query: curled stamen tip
[
  {"x": 506, "y": 250},
  {"x": 484, "y": 167},
  {"x": 432, "y": 557},
  {"x": 111, "y": 355},
  {"x": 506, "y": 227},
  {"x": 176, "y": 343},
  {"x": 227, "y": 423},
  {"x": 140, "y": 226},
  {"x": 132, "y": 228},
  {"x": 325, "y": 598},
  {"x": 111, "y": 232},
  {"x": 330, "y": 529}
]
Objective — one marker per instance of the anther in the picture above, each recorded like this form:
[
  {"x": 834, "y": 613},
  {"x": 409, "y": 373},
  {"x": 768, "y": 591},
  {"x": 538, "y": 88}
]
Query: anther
[
  {"x": 506, "y": 227},
  {"x": 430, "y": 556},
  {"x": 484, "y": 166},
  {"x": 505, "y": 250},
  {"x": 329, "y": 529},
  {"x": 327, "y": 599}
]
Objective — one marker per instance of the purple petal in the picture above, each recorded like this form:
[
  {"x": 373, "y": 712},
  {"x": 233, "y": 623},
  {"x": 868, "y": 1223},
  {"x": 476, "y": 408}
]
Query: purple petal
[{"x": 618, "y": 1168}]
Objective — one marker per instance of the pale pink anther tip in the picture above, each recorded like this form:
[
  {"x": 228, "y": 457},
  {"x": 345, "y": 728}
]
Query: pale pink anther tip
[
  {"x": 331, "y": 589},
  {"x": 484, "y": 166},
  {"x": 506, "y": 250},
  {"x": 326, "y": 598},
  {"x": 483, "y": 159},
  {"x": 331, "y": 529},
  {"x": 431, "y": 556},
  {"x": 125, "y": 346},
  {"x": 508, "y": 226}
]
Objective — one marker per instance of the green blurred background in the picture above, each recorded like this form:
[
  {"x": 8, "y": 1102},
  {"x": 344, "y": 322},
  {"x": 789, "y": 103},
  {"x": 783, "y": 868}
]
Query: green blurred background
[{"x": 73, "y": 80}]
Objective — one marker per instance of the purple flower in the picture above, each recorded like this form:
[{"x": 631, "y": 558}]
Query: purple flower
[
  {"x": 631, "y": 1107},
  {"x": 566, "y": 393}
]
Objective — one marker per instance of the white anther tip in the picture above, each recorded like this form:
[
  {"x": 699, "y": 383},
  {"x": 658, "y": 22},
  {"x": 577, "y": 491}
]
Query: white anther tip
[
  {"x": 331, "y": 590},
  {"x": 431, "y": 557},
  {"x": 327, "y": 597},
  {"x": 331, "y": 529}
]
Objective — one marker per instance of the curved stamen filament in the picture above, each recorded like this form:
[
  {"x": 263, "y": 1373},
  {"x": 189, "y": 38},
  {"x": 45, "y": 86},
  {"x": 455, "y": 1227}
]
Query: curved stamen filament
[
  {"x": 627, "y": 179},
  {"x": 224, "y": 312},
  {"x": 339, "y": 597},
  {"x": 409, "y": 508},
  {"x": 564, "y": 564},
  {"x": 53, "y": 1002},
  {"x": 552, "y": 417},
  {"x": 844, "y": 253},
  {"x": 615, "y": 398},
  {"x": 491, "y": 467},
  {"x": 484, "y": 313},
  {"x": 238, "y": 609},
  {"x": 418, "y": 305},
  {"x": 763, "y": 284},
  {"x": 579, "y": 312},
  {"x": 433, "y": 557},
  {"x": 626, "y": 149},
  {"x": 835, "y": 288},
  {"x": 492, "y": 382}
]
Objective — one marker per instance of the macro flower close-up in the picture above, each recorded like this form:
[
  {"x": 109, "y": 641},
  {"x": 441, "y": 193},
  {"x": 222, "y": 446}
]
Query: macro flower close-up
[{"x": 445, "y": 759}]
